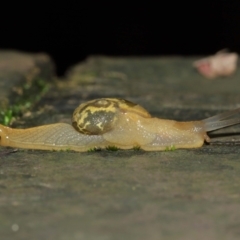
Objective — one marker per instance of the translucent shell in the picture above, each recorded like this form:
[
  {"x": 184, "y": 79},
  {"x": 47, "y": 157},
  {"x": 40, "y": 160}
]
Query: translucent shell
[{"x": 99, "y": 116}]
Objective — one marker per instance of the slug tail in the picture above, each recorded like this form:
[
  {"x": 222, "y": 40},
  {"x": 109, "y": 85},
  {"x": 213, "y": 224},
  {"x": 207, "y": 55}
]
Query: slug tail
[{"x": 222, "y": 120}]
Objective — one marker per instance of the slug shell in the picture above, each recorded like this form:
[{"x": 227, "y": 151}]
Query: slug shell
[{"x": 99, "y": 116}]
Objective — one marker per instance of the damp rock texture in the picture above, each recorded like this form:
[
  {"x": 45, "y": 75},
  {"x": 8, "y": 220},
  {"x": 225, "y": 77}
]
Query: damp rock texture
[
  {"x": 180, "y": 194},
  {"x": 19, "y": 70}
]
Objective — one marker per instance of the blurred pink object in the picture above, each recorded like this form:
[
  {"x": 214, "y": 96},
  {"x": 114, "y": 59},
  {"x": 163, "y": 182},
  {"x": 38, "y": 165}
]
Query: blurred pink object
[{"x": 222, "y": 63}]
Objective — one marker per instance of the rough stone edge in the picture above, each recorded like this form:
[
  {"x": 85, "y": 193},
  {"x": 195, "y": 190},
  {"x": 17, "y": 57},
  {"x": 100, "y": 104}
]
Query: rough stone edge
[{"x": 19, "y": 70}]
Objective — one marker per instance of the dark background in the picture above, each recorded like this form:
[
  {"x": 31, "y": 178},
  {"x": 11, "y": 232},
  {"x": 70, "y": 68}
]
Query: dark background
[{"x": 71, "y": 31}]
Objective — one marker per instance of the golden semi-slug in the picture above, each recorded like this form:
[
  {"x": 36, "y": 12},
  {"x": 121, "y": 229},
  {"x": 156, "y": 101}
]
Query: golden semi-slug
[{"x": 116, "y": 122}]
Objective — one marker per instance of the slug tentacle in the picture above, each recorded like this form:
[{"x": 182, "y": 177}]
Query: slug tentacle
[{"x": 221, "y": 120}]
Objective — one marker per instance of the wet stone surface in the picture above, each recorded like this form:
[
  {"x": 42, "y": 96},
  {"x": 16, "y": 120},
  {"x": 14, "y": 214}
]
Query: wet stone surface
[
  {"x": 181, "y": 194},
  {"x": 17, "y": 69},
  {"x": 24, "y": 77}
]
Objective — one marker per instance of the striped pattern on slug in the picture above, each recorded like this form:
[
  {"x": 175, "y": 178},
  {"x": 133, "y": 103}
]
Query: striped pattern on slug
[{"x": 99, "y": 116}]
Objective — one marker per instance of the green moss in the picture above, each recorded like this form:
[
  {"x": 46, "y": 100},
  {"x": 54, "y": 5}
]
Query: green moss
[
  {"x": 31, "y": 93},
  {"x": 112, "y": 148},
  {"x": 170, "y": 148},
  {"x": 6, "y": 116},
  {"x": 65, "y": 150},
  {"x": 95, "y": 149},
  {"x": 136, "y": 148}
]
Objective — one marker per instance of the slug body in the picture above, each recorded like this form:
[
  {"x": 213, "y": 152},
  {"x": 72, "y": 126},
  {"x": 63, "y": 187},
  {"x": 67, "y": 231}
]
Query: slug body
[{"x": 115, "y": 122}]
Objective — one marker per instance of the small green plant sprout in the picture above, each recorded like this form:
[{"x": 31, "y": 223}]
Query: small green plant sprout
[
  {"x": 6, "y": 117},
  {"x": 95, "y": 149},
  {"x": 112, "y": 148},
  {"x": 136, "y": 148},
  {"x": 170, "y": 148},
  {"x": 66, "y": 150}
]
